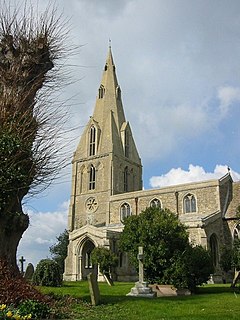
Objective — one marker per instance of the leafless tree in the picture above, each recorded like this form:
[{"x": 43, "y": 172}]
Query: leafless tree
[{"x": 32, "y": 46}]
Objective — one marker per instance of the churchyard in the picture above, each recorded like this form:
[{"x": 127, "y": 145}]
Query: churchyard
[{"x": 210, "y": 302}]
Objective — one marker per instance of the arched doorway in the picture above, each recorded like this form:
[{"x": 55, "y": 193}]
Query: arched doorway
[{"x": 86, "y": 263}]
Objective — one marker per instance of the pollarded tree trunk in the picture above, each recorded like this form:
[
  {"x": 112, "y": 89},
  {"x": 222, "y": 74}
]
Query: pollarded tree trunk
[
  {"x": 12, "y": 226},
  {"x": 28, "y": 50}
]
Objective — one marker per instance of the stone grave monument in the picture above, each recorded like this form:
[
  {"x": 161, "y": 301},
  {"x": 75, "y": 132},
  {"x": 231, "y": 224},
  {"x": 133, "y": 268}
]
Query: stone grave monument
[
  {"x": 94, "y": 289},
  {"x": 141, "y": 288},
  {"x": 29, "y": 272}
]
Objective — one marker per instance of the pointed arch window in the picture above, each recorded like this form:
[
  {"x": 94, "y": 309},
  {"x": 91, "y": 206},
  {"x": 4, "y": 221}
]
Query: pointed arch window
[
  {"x": 101, "y": 92},
  {"x": 92, "y": 141},
  {"x": 125, "y": 179},
  {"x": 92, "y": 178},
  {"x": 236, "y": 232},
  {"x": 88, "y": 260},
  {"x": 155, "y": 203},
  {"x": 125, "y": 211},
  {"x": 214, "y": 249},
  {"x": 189, "y": 203}
]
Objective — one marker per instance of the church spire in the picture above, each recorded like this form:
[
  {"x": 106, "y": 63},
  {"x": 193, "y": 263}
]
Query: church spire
[{"x": 109, "y": 95}]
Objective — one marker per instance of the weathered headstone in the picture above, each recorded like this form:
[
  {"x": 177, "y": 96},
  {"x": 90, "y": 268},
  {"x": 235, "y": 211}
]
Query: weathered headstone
[
  {"x": 108, "y": 279},
  {"x": 29, "y": 272},
  {"x": 94, "y": 289},
  {"x": 141, "y": 288}
]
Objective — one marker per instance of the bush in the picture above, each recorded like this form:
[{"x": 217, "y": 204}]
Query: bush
[
  {"x": 189, "y": 268},
  {"x": 47, "y": 274}
]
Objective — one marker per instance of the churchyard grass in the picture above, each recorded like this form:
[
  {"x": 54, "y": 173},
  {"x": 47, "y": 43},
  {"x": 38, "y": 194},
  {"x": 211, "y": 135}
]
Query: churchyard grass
[{"x": 211, "y": 302}]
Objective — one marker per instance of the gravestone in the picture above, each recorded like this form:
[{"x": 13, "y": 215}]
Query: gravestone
[
  {"x": 141, "y": 288},
  {"x": 22, "y": 260},
  {"x": 108, "y": 279},
  {"x": 29, "y": 272},
  {"x": 94, "y": 289}
]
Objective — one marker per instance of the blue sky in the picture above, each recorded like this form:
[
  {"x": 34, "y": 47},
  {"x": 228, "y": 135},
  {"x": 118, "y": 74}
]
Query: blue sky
[{"x": 178, "y": 66}]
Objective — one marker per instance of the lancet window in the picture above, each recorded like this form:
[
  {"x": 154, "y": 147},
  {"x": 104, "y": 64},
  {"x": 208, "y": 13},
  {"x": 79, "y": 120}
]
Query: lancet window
[
  {"x": 92, "y": 141},
  {"x": 101, "y": 91},
  {"x": 92, "y": 178},
  {"x": 125, "y": 211},
  {"x": 214, "y": 249}
]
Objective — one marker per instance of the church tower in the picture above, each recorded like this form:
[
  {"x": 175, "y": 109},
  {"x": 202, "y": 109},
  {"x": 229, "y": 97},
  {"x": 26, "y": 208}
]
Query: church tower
[{"x": 106, "y": 161}]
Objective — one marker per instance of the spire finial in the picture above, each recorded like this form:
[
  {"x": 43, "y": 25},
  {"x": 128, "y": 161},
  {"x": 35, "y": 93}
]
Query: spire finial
[{"x": 109, "y": 43}]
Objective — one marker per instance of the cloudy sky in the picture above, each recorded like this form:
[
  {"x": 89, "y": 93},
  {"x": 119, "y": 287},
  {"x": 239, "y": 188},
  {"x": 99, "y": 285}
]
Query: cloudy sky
[{"x": 178, "y": 66}]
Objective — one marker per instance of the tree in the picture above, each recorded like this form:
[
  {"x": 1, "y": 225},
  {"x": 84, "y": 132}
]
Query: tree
[
  {"x": 168, "y": 255},
  {"x": 30, "y": 47},
  {"x": 104, "y": 258},
  {"x": 230, "y": 260},
  {"x": 59, "y": 249},
  {"x": 162, "y": 236}
]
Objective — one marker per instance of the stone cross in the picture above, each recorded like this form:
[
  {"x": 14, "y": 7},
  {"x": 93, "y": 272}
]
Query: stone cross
[
  {"x": 140, "y": 264},
  {"x": 22, "y": 260}
]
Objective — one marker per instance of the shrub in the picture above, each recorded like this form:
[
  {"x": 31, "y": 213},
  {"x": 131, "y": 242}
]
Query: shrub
[
  {"x": 36, "y": 309},
  {"x": 189, "y": 268},
  {"x": 14, "y": 289},
  {"x": 47, "y": 273}
]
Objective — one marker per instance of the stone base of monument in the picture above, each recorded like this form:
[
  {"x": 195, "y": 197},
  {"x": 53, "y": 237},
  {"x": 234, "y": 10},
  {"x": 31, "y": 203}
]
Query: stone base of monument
[
  {"x": 165, "y": 290},
  {"x": 141, "y": 289}
]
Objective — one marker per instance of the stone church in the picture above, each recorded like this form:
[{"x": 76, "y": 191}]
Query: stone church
[{"x": 107, "y": 187}]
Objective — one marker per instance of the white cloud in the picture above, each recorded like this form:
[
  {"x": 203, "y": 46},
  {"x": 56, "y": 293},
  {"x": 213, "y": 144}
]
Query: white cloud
[
  {"x": 193, "y": 174},
  {"x": 227, "y": 96},
  {"x": 42, "y": 232}
]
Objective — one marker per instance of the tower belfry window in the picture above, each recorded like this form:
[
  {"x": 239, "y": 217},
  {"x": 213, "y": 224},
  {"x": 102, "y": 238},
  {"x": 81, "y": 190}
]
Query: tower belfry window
[
  {"x": 101, "y": 92},
  {"x": 92, "y": 141},
  {"x": 125, "y": 179},
  {"x": 126, "y": 144},
  {"x": 92, "y": 178}
]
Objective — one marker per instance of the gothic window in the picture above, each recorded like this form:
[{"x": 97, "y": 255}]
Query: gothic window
[
  {"x": 189, "y": 203},
  {"x": 92, "y": 178},
  {"x": 92, "y": 141},
  {"x": 214, "y": 249},
  {"x": 88, "y": 260},
  {"x": 125, "y": 211},
  {"x": 155, "y": 203},
  {"x": 126, "y": 143},
  {"x": 236, "y": 232},
  {"x": 125, "y": 179},
  {"x": 101, "y": 91}
]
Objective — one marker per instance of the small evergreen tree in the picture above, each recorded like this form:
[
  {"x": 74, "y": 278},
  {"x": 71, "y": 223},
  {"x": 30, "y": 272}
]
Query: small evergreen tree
[
  {"x": 105, "y": 258},
  {"x": 189, "y": 268},
  {"x": 59, "y": 250},
  {"x": 47, "y": 273}
]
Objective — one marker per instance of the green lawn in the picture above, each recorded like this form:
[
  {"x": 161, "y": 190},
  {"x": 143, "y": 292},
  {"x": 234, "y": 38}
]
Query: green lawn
[{"x": 211, "y": 302}]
